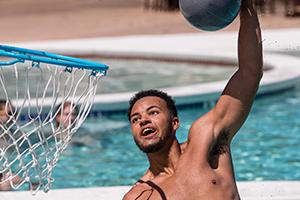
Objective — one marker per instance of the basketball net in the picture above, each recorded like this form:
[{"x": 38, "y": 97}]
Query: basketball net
[{"x": 35, "y": 134}]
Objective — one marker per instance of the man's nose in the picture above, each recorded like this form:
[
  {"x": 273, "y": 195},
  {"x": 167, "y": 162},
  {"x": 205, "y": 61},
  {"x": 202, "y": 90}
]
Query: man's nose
[{"x": 144, "y": 121}]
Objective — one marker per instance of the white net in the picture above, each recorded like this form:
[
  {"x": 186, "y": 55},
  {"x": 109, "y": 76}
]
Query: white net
[{"x": 41, "y": 108}]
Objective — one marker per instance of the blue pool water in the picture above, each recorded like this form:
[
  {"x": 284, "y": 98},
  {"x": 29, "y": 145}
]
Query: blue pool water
[
  {"x": 266, "y": 147},
  {"x": 127, "y": 75},
  {"x": 132, "y": 75}
]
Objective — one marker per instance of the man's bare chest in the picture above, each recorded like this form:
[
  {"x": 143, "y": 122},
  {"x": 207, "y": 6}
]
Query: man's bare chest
[{"x": 172, "y": 189}]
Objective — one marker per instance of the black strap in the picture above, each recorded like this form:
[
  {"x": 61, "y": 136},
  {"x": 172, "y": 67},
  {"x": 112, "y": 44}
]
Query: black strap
[
  {"x": 157, "y": 188},
  {"x": 154, "y": 186},
  {"x": 140, "y": 181}
]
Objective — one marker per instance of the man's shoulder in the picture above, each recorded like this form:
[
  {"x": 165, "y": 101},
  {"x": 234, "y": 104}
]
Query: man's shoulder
[
  {"x": 129, "y": 195},
  {"x": 134, "y": 191}
]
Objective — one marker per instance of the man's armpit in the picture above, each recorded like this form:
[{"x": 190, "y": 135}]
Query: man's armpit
[{"x": 221, "y": 145}]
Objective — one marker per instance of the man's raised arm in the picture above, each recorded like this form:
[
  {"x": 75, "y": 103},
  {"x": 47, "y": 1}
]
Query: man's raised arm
[{"x": 236, "y": 100}]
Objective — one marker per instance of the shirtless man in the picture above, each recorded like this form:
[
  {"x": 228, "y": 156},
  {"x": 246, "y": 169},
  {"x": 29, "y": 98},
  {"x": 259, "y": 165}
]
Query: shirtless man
[
  {"x": 65, "y": 121},
  {"x": 6, "y": 108},
  {"x": 65, "y": 118},
  {"x": 5, "y": 111},
  {"x": 201, "y": 168}
]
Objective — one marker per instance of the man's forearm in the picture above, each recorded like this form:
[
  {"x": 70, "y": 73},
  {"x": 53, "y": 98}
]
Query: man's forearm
[{"x": 249, "y": 42}]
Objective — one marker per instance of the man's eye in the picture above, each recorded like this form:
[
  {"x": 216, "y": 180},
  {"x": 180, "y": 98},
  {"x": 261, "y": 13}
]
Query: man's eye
[
  {"x": 134, "y": 120},
  {"x": 154, "y": 112}
]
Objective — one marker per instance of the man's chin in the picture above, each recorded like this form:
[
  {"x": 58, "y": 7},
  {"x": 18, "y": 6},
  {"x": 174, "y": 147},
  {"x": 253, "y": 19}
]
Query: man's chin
[{"x": 152, "y": 147}]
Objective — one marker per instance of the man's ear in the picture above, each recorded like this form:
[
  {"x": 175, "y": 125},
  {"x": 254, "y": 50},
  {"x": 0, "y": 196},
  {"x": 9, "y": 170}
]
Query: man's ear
[{"x": 175, "y": 123}]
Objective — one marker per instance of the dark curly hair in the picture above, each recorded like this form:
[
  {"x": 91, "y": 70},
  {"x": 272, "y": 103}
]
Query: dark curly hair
[
  {"x": 156, "y": 93},
  {"x": 3, "y": 105}
]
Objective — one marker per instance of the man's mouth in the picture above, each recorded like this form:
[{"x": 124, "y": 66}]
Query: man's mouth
[{"x": 148, "y": 133}]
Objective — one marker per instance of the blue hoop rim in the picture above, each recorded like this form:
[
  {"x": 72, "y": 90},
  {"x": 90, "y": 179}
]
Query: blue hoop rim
[{"x": 21, "y": 55}]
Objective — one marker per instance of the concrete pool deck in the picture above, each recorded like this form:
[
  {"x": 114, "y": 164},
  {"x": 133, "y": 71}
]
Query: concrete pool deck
[{"x": 284, "y": 75}]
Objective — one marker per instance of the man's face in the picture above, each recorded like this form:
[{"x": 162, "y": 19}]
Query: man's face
[
  {"x": 151, "y": 124},
  {"x": 4, "y": 114},
  {"x": 66, "y": 117}
]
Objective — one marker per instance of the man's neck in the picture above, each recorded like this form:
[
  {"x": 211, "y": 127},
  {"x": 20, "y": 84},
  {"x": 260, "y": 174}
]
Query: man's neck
[{"x": 164, "y": 161}]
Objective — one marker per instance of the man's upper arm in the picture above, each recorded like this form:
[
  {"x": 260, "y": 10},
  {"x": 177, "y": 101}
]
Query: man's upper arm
[{"x": 235, "y": 103}]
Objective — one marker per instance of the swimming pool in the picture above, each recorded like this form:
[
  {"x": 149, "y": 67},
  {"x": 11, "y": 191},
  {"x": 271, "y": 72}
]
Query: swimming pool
[
  {"x": 266, "y": 148},
  {"x": 127, "y": 75},
  {"x": 123, "y": 76}
]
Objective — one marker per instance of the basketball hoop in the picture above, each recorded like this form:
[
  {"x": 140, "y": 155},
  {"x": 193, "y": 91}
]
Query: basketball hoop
[{"x": 37, "y": 87}]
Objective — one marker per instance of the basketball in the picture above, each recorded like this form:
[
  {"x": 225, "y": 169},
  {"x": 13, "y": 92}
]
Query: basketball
[{"x": 210, "y": 15}]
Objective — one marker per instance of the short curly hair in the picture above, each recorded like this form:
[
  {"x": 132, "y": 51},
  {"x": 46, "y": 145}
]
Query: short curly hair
[{"x": 155, "y": 93}]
